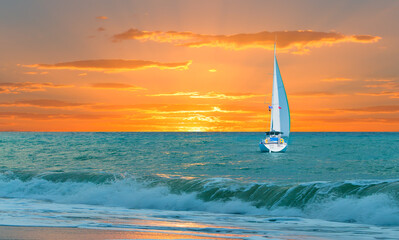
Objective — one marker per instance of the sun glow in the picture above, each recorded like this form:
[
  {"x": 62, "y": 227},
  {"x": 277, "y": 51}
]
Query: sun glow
[{"x": 195, "y": 129}]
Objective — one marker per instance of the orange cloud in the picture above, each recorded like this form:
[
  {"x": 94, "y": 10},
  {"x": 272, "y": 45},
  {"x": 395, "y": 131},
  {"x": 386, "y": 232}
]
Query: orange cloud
[
  {"x": 229, "y": 96},
  {"x": 386, "y": 109},
  {"x": 100, "y": 29},
  {"x": 375, "y": 109},
  {"x": 116, "y": 86},
  {"x": 197, "y": 128},
  {"x": 388, "y": 87},
  {"x": 378, "y": 80},
  {"x": 202, "y": 118},
  {"x": 293, "y": 41},
  {"x": 196, "y": 117},
  {"x": 357, "y": 120},
  {"x": 35, "y": 73},
  {"x": 337, "y": 79},
  {"x": 56, "y": 116},
  {"x": 8, "y": 87},
  {"x": 176, "y": 108},
  {"x": 174, "y": 94},
  {"x": 44, "y": 103},
  {"x": 180, "y": 117},
  {"x": 177, "y": 113},
  {"x": 210, "y": 95},
  {"x": 381, "y": 94},
  {"x": 111, "y": 65},
  {"x": 102, "y": 18},
  {"x": 210, "y": 109},
  {"x": 316, "y": 94},
  {"x": 319, "y": 112},
  {"x": 388, "y": 84}
]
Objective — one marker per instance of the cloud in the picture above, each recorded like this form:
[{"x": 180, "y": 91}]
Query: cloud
[
  {"x": 170, "y": 109},
  {"x": 152, "y": 107},
  {"x": 229, "y": 96},
  {"x": 191, "y": 117},
  {"x": 35, "y": 73},
  {"x": 388, "y": 84},
  {"x": 211, "y": 109},
  {"x": 102, "y": 18},
  {"x": 316, "y": 94},
  {"x": 55, "y": 116},
  {"x": 381, "y": 94},
  {"x": 357, "y": 120},
  {"x": 387, "y": 87},
  {"x": 299, "y": 41},
  {"x": 202, "y": 118},
  {"x": 378, "y": 80},
  {"x": 318, "y": 112},
  {"x": 210, "y": 95},
  {"x": 43, "y": 103},
  {"x": 338, "y": 79},
  {"x": 116, "y": 86},
  {"x": 374, "y": 109},
  {"x": 111, "y": 65},
  {"x": 174, "y": 94},
  {"x": 100, "y": 29},
  {"x": 197, "y": 128},
  {"x": 180, "y": 117},
  {"x": 8, "y": 87}
]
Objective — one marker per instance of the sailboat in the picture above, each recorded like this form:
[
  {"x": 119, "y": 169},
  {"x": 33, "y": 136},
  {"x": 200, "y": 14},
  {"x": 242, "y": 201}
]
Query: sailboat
[{"x": 276, "y": 139}]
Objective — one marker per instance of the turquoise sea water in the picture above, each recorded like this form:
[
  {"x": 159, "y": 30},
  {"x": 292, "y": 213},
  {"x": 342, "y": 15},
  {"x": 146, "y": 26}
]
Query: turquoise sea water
[{"x": 327, "y": 185}]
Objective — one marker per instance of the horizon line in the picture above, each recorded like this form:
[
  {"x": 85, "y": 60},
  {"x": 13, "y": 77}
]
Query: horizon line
[{"x": 16, "y": 131}]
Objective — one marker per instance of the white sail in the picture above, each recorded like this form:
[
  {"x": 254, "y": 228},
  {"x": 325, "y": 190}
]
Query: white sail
[
  {"x": 275, "y": 140},
  {"x": 280, "y": 112}
]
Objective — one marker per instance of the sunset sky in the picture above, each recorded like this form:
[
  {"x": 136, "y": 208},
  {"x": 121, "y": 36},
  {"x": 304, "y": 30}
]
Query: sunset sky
[{"x": 197, "y": 65}]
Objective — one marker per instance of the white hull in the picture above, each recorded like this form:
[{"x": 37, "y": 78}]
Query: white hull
[{"x": 273, "y": 147}]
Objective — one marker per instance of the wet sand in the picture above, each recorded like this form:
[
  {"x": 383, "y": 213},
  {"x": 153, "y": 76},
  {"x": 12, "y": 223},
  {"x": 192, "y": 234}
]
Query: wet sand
[{"x": 54, "y": 233}]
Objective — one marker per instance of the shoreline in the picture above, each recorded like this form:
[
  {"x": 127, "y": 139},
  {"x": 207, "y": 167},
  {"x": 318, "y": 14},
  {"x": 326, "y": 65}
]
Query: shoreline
[{"x": 70, "y": 233}]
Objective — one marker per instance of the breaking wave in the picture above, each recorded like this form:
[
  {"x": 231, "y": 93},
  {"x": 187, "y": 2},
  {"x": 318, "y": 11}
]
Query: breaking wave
[{"x": 370, "y": 202}]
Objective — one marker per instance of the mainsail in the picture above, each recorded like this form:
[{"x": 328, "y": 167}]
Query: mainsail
[{"x": 280, "y": 111}]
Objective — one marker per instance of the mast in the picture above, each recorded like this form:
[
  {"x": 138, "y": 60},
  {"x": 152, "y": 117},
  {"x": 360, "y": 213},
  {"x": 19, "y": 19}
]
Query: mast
[
  {"x": 274, "y": 69},
  {"x": 275, "y": 112}
]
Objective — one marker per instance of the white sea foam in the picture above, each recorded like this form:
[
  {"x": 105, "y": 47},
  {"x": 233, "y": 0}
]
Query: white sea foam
[
  {"x": 28, "y": 212},
  {"x": 376, "y": 209}
]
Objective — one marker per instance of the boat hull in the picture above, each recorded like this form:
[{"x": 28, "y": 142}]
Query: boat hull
[{"x": 273, "y": 147}]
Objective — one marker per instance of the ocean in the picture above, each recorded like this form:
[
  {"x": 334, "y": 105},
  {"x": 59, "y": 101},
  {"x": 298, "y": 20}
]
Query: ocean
[{"x": 326, "y": 186}]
